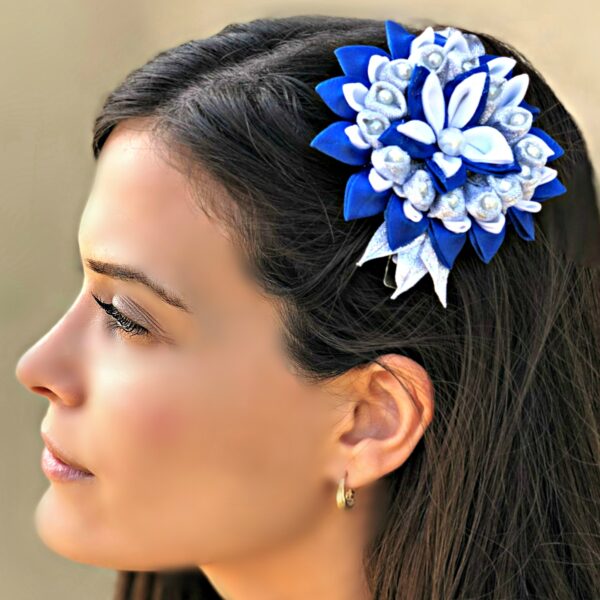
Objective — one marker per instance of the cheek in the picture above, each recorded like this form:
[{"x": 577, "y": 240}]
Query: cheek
[{"x": 143, "y": 413}]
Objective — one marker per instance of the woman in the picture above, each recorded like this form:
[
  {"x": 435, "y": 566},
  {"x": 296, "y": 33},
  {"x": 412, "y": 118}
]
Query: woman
[{"x": 238, "y": 411}]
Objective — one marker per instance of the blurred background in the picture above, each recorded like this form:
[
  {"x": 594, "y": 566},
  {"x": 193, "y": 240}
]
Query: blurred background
[{"x": 58, "y": 60}]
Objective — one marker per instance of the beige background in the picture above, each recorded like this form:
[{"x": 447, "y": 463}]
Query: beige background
[{"x": 58, "y": 60}]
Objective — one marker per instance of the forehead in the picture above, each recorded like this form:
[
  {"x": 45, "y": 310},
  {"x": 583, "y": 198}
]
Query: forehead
[{"x": 141, "y": 212}]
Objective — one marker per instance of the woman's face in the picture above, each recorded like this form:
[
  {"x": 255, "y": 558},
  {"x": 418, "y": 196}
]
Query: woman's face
[{"x": 202, "y": 442}]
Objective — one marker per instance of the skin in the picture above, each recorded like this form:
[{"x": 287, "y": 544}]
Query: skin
[{"x": 207, "y": 449}]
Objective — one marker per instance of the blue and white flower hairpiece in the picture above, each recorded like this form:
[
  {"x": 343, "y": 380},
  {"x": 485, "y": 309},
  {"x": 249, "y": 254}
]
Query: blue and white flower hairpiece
[{"x": 446, "y": 147}]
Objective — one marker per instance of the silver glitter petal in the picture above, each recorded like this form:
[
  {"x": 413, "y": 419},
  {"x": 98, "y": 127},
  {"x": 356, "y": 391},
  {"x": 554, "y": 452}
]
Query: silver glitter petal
[
  {"x": 450, "y": 205},
  {"x": 532, "y": 150},
  {"x": 392, "y": 162},
  {"x": 456, "y": 64},
  {"x": 365, "y": 120},
  {"x": 413, "y": 261},
  {"x": 502, "y": 119},
  {"x": 391, "y": 73},
  {"x": 529, "y": 178},
  {"x": 377, "y": 247},
  {"x": 508, "y": 187},
  {"x": 482, "y": 202},
  {"x": 492, "y": 100},
  {"x": 395, "y": 110},
  {"x": 476, "y": 46},
  {"x": 419, "y": 189}
]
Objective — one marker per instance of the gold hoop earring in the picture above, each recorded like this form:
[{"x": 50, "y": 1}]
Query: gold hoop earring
[{"x": 344, "y": 497}]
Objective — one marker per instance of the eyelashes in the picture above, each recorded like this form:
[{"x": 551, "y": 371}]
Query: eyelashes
[{"x": 119, "y": 323}]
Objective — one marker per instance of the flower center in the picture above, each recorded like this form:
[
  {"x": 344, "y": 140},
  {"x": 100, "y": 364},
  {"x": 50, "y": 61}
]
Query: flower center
[{"x": 451, "y": 141}]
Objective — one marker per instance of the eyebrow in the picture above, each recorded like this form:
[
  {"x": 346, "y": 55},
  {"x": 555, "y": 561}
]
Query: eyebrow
[{"x": 125, "y": 273}]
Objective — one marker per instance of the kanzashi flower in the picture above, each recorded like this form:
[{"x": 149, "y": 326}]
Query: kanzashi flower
[{"x": 445, "y": 145}]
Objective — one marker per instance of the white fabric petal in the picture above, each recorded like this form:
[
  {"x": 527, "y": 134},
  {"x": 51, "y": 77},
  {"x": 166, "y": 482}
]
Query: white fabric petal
[
  {"x": 417, "y": 130},
  {"x": 500, "y": 66},
  {"x": 494, "y": 226},
  {"x": 448, "y": 164},
  {"x": 356, "y": 138},
  {"x": 465, "y": 99},
  {"x": 424, "y": 38},
  {"x": 513, "y": 91},
  {"x": 457, "y": 225},
  {"x": 456, "y": 41},
  {"x": 488, "y": 145},
  {"x": 375, "y": 63},
  {"x": 355, "y": 94},
  {"x": 410, "y": 212},
  {"x": 548, "y": 174},
  {"x": 379, "y": 183},
  {"x": 434, "y": 104},
  {"x": 528, "y": 205}
]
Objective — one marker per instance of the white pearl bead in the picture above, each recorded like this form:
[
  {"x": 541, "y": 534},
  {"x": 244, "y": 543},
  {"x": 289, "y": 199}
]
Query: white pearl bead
[
  {"x": 403, "y": 70},
  {"x": 385, "y": 96},
  {"x": 504, "y": 185},
  {"x": 493, "y": 91},
  {"x": 451, "y": 141},
  {"x": 434, "y": 59},
  {"x": 489, "y": 202},
  {"x": 375, "y": 126},
  {"x": 423, "y": 187},
  {"x": 452, "y": 201},
  {"x": 517, "y": 119},
  {"x": 533, "y": 151},
  {"x": 395, "y": 154}
]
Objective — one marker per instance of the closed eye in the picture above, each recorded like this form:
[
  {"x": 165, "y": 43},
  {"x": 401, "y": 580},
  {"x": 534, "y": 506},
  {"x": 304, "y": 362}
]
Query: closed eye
[{"x": 119, "y": 322}]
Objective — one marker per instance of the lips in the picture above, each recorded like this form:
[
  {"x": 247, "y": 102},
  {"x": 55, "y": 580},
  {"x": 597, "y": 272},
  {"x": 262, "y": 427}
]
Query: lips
[{"x": 62, "y": 456}]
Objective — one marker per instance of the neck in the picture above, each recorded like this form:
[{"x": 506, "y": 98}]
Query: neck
[{"x": 323, "y": 561}]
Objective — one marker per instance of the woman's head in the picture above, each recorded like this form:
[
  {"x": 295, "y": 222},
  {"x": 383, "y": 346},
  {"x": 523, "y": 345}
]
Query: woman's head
[{"x": 223, "y": 431}]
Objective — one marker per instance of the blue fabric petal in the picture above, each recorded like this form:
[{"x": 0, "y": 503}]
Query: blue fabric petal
[
  {"x": 392, "y": 137},
  {"x": 549, "y": 190},
  {"x": 398, "y": 39},
  {"x": 360, "y": 199},
  {"x": 414, "y": 91},
  {"x": 354, "y": 60},
  {"x": 558, "y": 149},
  {"x": 439, "y": 39},
  {"x": 534, "y": 110},
  {"x": 442, "y": 183},
  {"x": 446, "y": 243},
  {"x": 400, "y": 229},
  {"x": 523, "y": 222},
  {"x": 331, "y": 92},
  {"x": 334, "y": 142},
  {"x": 491, "y": 169},
  {"x": 486, "y": 244}
]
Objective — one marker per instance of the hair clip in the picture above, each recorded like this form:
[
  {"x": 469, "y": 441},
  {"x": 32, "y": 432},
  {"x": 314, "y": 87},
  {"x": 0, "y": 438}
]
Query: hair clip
[{"x": 445, "y": 145}]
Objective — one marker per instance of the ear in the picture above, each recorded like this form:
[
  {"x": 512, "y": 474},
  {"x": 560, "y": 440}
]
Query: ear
[{"x": 385, "y": 415}]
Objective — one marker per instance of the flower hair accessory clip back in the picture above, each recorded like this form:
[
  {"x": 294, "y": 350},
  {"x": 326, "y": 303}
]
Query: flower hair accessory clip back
[{"x": 446, "y": 146}]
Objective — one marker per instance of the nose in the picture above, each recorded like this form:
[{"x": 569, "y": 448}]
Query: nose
[{"x": 52, "y": 366}]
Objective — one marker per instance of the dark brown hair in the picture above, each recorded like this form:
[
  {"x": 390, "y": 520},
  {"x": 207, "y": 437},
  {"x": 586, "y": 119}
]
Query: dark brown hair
[{"x": 500, "y": 497}]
